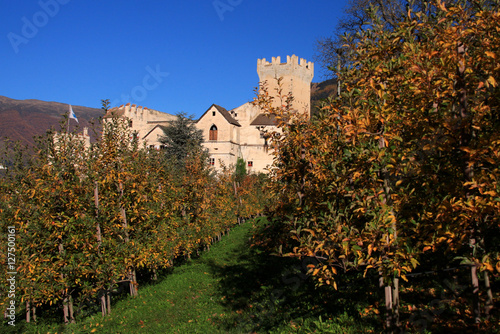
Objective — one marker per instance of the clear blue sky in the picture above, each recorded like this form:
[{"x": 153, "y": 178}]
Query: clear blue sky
[{"x": 170, "y": 56}]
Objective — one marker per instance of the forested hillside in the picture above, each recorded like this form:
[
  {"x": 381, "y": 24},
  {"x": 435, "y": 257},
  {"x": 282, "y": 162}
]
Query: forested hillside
[{"x": 23, "y": 119}]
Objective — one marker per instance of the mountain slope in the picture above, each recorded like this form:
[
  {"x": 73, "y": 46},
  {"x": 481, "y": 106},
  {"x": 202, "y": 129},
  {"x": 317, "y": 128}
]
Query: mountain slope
[{"x": 23, "y": 119}]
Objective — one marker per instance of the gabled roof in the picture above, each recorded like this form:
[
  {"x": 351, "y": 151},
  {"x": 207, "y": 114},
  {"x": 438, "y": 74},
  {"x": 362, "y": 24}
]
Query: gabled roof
[
  {"x": 263, "y": 119},
  {"x": 156, "y": 126},
  {"x": 224, "y": 113}
]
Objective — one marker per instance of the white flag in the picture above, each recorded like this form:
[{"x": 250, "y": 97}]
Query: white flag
[{"x": 72, "y": 114}]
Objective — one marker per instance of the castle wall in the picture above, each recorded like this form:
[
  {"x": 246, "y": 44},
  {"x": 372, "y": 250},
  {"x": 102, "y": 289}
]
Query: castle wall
[
  {"x": 225, "y": 149},
  {"x": 296, "y": 79},
  {"x": 143, "y": 120},
  {"x": 245, "y": 114},
  {"x": 224, "y": 129},
  {"x": 239, "y": 131},
  {"x": 153, "y": 138}
]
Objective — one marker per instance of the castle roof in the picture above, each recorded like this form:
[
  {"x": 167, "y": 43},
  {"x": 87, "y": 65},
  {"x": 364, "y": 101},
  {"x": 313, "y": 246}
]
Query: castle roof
[
  {"x": 154, "y": 128},
  {"x": 115, "y": 111},
  {"x": 224, "y": 113},
  {"x": 263, "y": 119}
]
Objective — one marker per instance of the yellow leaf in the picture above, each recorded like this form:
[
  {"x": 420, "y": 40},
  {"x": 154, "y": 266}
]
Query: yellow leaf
[
  {"x": 488, "y": 266},
  {"x": 370, "y": 249},
  {"x": 492, "y": 81},
  {"x": 439, "y": 240},
  {"x": 490, "y": 54}
]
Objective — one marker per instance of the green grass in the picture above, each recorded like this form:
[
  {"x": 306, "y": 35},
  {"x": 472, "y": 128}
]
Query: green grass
[{"x": 231, "y": 289}]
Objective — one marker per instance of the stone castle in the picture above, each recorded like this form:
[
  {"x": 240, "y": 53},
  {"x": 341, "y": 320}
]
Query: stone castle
[{"x": 240, "y": 132}]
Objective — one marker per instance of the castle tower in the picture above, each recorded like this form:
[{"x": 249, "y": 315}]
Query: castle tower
[{"x": 296, "y": 79}]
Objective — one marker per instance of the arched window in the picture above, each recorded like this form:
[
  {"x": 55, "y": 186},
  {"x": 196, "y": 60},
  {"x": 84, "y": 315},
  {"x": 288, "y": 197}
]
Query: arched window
[{"x": 213, "y": 133}]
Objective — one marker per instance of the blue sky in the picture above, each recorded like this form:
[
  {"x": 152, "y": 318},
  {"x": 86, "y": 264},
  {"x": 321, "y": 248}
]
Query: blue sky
[{"x": 170, "y": 56}]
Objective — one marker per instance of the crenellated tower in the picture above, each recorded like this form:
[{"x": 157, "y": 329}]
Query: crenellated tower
[{"x": 296, "y": 79}]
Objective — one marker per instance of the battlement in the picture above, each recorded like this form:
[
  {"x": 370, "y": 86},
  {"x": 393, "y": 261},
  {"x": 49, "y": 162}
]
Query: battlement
[
  {"x": 290, "y": 61},
  {"x": 132, "y": 110},
  {"x": 296, "y": 76},
  {"x": 292, "y": 67}
]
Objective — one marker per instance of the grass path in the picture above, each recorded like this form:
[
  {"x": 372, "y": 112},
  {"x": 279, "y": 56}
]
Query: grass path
[{"x": 230, "y": 289}]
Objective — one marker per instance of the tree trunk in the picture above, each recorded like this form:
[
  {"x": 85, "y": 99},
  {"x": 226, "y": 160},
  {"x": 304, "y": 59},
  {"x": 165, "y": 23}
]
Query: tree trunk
[
  {"x": 108, "y": 301},
  {"x": 391, "y": 291},
  {"x": 65, "y": 299},
  {"x": 395, "y": 302},
  {"x": 98, "y": 227},
  {"x": 475, "y": 294},
  {"x": 66, "y": 310},
  {"x": 123, "y": 214},
  {"x": 71, "y": 313},
  {"x": 103, "y": 304},
  {"x": 489, "y": 301},
  {"x": 134, "y": 277},
  {"x": 28, "y": 311},
  {"x": 133, "y": 282},
  {"x": 466, "y": 131},
  {"x": 388, "y": 308}
]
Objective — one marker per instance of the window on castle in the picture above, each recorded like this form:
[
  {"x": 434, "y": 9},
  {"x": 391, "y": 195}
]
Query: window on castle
[
  {"x": 213, "y": 133},
  {"x": 213, "y": 113},
  {"x": 212, "y": 162},
  {"x": 130, "y": 123},
  {"x": 250, "y": 163}
]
